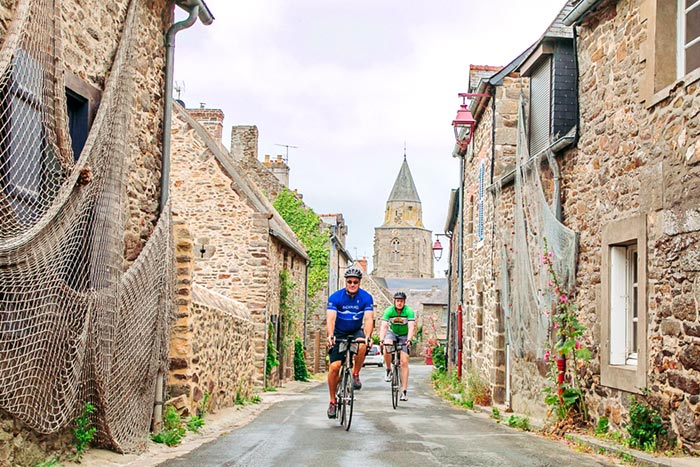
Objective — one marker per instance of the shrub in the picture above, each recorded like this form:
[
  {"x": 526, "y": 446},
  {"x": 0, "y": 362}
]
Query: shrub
[
  {"x": 645, "y": 428},
  {"x": 173, "y": 429},
  {"x": 300, "y": 371},
  {"x": 84, "y": 431}
]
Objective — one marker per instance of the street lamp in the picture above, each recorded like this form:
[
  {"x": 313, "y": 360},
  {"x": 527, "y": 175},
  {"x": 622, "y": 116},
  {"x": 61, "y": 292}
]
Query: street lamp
[
  {"x": 464, "y": 122},
  {"x": 437, "y": 247}
]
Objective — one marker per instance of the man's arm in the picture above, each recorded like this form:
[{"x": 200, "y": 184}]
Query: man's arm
[
  {"x": 330, "y": 326},
  {"x": 383, "y": 329},
  {"x": 369, "y": 323},
  {"x": 411, "y": 330}
]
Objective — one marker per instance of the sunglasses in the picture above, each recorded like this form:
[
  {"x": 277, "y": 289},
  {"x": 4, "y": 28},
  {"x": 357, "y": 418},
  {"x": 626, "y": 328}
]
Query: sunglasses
[{"x": 352, "y": 282}]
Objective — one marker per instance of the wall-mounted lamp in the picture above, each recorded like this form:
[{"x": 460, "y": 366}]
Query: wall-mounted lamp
[
  {"x": 464, "y": 122},
  {"x": 437, "y": 247}
]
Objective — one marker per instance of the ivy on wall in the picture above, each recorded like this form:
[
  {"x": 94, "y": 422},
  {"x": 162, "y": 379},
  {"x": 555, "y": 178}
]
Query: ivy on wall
[{"x": 307, "y": 226}]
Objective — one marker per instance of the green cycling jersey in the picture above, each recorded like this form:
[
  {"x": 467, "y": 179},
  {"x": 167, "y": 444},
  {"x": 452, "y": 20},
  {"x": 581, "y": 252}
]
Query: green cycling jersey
[{"x": 399, "y": 321}]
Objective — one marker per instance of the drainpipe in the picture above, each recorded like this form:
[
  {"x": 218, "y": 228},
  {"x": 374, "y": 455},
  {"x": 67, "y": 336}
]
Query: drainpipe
[
  {"x": 207, "y": 19},
  {"x": 306, "y": 300},
  {"x": 460, "y": 265},
  {"x": 579, "y": 11}
]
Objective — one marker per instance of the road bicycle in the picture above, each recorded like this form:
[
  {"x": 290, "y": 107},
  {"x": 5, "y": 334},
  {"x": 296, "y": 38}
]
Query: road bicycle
[
  {"x": 395, "y": 350},
  {"x": 345, "y": 393}
]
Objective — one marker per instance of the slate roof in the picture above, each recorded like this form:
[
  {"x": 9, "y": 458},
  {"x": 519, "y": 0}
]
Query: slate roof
[{"x": 404, "y": 188}]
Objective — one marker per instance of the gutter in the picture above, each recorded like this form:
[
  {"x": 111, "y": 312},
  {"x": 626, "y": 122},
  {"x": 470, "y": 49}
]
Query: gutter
[
  {"x": 579, "y": 12},
  {"x": 196, "y": 9}
]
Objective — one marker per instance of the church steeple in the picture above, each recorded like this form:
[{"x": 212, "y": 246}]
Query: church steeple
[
  {"x": 404, "y": 188},
  {"x": 403, "y": 208},
  {"x": 402, "y": 246}
]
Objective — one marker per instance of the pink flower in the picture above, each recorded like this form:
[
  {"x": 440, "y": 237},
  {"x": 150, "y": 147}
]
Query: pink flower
[
  {"x": 551, "y": 283},
  {"x": 578, "y": 345},
  {"x": 546, "y": 356},
  {"x": 563, "y": 298},
  {"x": 551, "y": 255}
]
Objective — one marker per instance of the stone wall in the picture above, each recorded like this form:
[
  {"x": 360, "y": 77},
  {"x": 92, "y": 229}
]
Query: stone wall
[
  {"x": 210, "y": 346},
  {"x": 639, "y": 157},
  {"x": 91, "y": 32}
]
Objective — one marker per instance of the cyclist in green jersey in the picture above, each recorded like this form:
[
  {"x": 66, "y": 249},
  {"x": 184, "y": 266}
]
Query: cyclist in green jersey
[{"x": 398, "y": 324}]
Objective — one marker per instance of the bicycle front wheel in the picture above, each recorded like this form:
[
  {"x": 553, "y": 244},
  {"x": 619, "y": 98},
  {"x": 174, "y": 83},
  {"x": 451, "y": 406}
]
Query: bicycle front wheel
[
  {"x": 349, "y": 396},
  {"x": 395, "y": 385},
  {"x": 340, "y": 396}
]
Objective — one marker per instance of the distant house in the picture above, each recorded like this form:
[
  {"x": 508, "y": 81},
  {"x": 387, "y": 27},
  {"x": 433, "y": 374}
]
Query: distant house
[{"x": 243, "y": 249}]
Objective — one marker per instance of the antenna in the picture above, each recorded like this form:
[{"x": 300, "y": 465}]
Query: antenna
[
  {"x": 287, "y": 146},
  {"x": 179, "y": 88}
]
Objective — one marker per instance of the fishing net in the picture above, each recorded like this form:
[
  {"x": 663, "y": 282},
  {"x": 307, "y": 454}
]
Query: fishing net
[
  {"x": 75, "y": 326},
  {"x": 525, "y": 280}
]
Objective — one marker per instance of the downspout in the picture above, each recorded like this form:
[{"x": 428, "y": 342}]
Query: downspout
[
  {"x": 460, "y": 265},
  {"x": 168, "y": 110},
  {"x": 207, "y": 18}
]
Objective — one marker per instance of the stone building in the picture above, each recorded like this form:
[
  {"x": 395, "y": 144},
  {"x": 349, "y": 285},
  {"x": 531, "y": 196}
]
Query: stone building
[
  {"x": 241, "y": 249},
  {"x": 85, "y": 223},
  {"x": 586, "y": 145},
  {"x": 402, "y": 245}
]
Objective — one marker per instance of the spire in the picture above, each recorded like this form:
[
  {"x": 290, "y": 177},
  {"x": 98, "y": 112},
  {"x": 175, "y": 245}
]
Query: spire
[{"x": 404, "y": 188}]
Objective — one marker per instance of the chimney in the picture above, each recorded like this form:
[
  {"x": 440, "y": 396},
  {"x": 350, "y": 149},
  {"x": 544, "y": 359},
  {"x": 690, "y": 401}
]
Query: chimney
[
  {"x": 363, "y": 263},
  {"x": 244, "y": 142},
  {"x": 211, "y": 119}
]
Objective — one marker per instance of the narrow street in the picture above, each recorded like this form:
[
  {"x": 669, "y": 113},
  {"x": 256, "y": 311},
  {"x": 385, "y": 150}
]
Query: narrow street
[{"x": 425, "y": 431}]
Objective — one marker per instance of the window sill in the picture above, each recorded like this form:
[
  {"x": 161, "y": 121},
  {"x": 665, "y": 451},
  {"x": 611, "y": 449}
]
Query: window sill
[{"x": 664, "y": 93}]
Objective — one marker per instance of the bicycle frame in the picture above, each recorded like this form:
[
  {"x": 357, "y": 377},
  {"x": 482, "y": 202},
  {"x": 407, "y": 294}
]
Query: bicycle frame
[{"x": 345, "y": 393}]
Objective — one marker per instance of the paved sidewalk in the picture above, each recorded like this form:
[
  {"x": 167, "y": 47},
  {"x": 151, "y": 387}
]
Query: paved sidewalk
[{"x": 216, "y": 425}]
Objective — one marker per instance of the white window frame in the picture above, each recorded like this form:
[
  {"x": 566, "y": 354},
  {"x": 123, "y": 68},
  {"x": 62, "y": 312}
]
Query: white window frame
[
  {"x": 681, "y": 44},
  {"x": 624, "y": 315}
]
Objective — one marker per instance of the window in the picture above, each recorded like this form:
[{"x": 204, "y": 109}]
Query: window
[
  {"x": 540, "y": 106},
  {"x": 623, "y": 305},
  {"x": 82, "y": 101},
  {"x": 688, "y": 37},
  {"x": 673, "y": 46},
  {"x": 624, "y": 313},
  {"x": 395, "y": 249},
  {"x": 480, "y": 225}
]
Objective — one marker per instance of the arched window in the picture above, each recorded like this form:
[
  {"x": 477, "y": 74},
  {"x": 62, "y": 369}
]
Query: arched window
[{"x": 395, "y": 255}]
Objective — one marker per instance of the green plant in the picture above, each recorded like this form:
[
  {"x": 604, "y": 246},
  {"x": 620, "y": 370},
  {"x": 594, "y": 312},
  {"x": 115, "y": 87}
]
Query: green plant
[
  {"x": 256, "y": 399},
  {"x": 203, "y": 407},
  {"x": 194, "y": 423},
  {"x": 173, "y": 429},
  {"x": 602, "y": 427},
  {"x": 271, "y": 360},
  {"x": 84, "y": 431},
  {"x": 439, "y": 355},
  {"x": 309, "y": 229},
  {"x": 518, "y": 421},
  {"x": 564, "y": 397},
  {"x": 645, "y": 427},
  {"x": 495, "y": 413},
  {"x": 50, "y": 462},
  {"x": 300, "y": 371}
]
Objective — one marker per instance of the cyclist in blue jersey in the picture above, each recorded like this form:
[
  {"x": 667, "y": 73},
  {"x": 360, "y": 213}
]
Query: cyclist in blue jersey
[{"x": 350, "y": 312}]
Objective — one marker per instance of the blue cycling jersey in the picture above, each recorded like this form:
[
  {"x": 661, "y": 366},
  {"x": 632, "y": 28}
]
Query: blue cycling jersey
[{"x": 349, "y": 311}]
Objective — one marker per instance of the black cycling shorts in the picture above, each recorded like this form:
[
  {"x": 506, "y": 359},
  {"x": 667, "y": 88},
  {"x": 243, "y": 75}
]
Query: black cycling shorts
[{"x": 333, "y": 353}]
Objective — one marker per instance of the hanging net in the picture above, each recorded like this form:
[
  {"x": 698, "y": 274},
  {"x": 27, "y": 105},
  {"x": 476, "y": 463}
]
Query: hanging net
[
  {"x": 75, "y": 327},
  {"x": 528, "y": 296}
]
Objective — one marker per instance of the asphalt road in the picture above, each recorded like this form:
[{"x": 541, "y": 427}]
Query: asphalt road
[{"x": 425, "y": 431}]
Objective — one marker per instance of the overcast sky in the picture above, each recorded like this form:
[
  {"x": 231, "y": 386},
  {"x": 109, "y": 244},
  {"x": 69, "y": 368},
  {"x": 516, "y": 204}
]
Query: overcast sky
[{"x": 348, "y": 82}]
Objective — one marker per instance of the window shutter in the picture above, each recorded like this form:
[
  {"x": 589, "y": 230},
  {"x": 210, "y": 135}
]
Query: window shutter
[
  {"x": 618, "y": 304},
  {"x": 540, "y": 106},
  {"x": 480, "y": 228}
]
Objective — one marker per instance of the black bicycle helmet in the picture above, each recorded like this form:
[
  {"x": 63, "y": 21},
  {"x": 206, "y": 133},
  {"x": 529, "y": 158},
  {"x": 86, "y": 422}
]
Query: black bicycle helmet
[
  {"x": 353, "y": 272},
  {"x": 400, "y": 295}
]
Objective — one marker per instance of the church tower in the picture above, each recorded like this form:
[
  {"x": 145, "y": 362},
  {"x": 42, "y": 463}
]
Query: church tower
[{"x": 402, "y": 247}]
